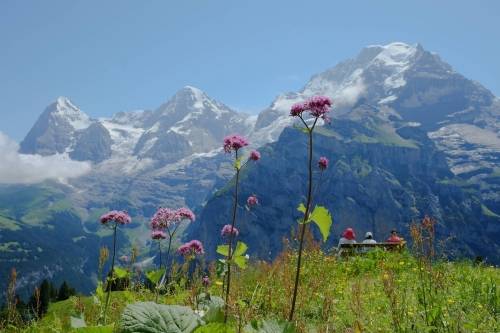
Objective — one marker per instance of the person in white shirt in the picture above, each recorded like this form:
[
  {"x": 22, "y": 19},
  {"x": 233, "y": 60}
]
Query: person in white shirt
[{"x": 369, "y": 239}]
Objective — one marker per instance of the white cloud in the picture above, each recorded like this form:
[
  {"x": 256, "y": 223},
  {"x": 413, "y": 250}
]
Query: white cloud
[
  {"x": 348, "y": 96},
  {"x": 18, "y": 168}
]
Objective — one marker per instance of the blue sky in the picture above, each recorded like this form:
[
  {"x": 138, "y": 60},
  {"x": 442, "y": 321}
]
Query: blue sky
[{"x": 110, "y": 56}]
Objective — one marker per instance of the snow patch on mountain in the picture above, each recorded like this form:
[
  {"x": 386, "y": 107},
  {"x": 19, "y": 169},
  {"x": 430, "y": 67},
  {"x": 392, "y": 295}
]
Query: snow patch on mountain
[{"x": 65, "y": 109}]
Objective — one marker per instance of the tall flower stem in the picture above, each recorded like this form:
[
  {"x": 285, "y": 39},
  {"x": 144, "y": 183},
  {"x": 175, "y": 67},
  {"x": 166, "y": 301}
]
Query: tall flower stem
[
  {"x": 159, "y": 250},
  {"x": 168, "y": 268},
  {"x": 230, "y": 242},
  {"x": 306, "y": 216},
  {"x": 110, "y": 279}
]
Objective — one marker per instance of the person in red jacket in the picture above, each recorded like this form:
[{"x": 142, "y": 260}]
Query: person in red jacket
[{"x": 394, "y": 238}]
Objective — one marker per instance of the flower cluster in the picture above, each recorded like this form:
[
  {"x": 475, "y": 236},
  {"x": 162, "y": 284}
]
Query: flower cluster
[
  {"x": 120, "y": 217},
  {"x": 252, "y": 200},
  {"x": 166, "y": 217},
  {"x": 323, "y": 163},
  {"x": 318, "y": 107},
  {"x": 254, "y": 155},
  {"x": 158, "y": 235},
  {"x": 193, "y": 247},
  {"x": 228, "y": 229},
  {"x": 234, "y": 142}
]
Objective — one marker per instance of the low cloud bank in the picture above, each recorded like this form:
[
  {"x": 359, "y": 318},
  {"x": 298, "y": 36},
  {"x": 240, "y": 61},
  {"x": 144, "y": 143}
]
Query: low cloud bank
[{"x": 18, "y": 168}]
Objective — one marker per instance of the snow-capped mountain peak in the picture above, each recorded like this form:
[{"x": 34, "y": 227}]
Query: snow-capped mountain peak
[{"x": 64, "y": 109}]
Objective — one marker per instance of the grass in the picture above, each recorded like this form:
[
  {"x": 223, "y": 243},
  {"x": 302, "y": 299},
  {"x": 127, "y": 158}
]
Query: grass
[{"x": 375, "y": 292}]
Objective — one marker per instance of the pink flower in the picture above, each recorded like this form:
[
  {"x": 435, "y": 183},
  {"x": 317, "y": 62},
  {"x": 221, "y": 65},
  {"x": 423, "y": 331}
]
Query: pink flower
[
  {"x": 252, "y": 200},
  {"x": 298, "y": 108},
  {"x": 120, "y": 217},
  {"x": 323, "y": 163},
  {"x": 234, "y": 142},
  {"x": 193, "y": 247},
  {"x": 185, "y": 213},
  {"x": 319, "y": 106},
  {"x": 254, "y": 155},
  {"x": 228, "y": 229},
  {"x": 164, "y": 218},
  {"x": 158, "y": 235}
]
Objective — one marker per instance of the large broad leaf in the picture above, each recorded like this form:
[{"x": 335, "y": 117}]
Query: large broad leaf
[
  {"x": 223, "y": 250},
  {"x": 156, "y": 275},
  {"x": 215, "y": 328},
  {"x": 149, "y": 317},
  {"x": 241, "y": 261},
  {"x": 270, "y": 326},
  {"x": 241, "y": 248},
  {"x": 95, "y": 329},
  {"x": 321, "y": 216},
  {"x": 212, "y": 307}
]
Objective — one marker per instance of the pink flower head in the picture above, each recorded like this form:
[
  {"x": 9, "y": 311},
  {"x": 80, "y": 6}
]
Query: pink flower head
[
  {"x": 193, "y": 247},
  {"x": 298, "y": 108},
  {"x": 319, "y": 106},
  {"x": 254, "y": 155},
  {"x": 323, "y": 163},
  {"x": 185, "y": 214},
  {"x": 120, "y": 217},
  {"x": 158, "y": 235},
  {"x": 234, "y": 142},
  {"x": 164, "y": 218},
  {"x": 205, "y": 281},
  {"x": 228, "y": 230},
  {"x": 252, "y": 200}
]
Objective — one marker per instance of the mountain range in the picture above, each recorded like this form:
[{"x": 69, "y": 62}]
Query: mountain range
[{"x": 409, "y": 136}]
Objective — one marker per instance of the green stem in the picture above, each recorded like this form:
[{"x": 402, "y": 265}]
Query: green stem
[
  {"x": 159, "y": 249},
  {"x": 306, "y": 216},
  {"x": 230, "y": 243},
  {"x": 108, "y": 285}
]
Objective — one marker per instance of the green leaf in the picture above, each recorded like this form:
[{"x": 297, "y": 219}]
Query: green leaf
[
  {"x": 120, "y": 272},
  {"x": 156, "y": 275},
  {"x": 241, "y": 248},
  {"x": 321, "y": 216},
  {"x": 149, "y": 317},
  {"x": 241, "y": 261},
  {"x": 215, "y": 328},
  {"x": 96, "y": 329},
  {"x": 269, "y": 326},
  {"x": 302, "y": 208},
  {"x": 237, "y": 163},
  {"x": 223, "y": 250}
]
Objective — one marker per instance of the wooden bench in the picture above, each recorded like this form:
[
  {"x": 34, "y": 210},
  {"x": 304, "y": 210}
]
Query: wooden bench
[{"x": 363, "y": 247}]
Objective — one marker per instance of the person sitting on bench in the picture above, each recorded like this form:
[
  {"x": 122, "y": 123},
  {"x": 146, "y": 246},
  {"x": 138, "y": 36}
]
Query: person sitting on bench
[
  {"x": 369, "y": 238},
  {"x": 348, "y": 237},
  {"x": 394, "y": 238}
]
